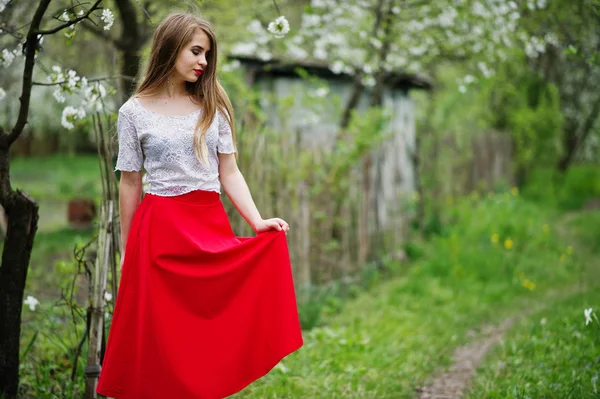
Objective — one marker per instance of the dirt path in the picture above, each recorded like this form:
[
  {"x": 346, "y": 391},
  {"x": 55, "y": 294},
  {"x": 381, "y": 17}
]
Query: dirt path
[{"x": 454, "y": 383}]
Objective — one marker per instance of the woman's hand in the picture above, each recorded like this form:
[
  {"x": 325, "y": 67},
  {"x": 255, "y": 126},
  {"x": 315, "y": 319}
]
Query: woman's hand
[{"x": 271, "y": 224}]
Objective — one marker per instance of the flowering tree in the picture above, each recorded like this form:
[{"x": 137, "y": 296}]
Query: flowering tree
[{"x": 21, "y": 210}]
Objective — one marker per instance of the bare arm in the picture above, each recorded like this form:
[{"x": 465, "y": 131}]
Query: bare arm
[
  {"x": 130, "y": 192},
  {"x": 237, "y": 190}
]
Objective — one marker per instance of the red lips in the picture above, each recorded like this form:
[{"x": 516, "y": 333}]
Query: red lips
[{"x": 198, "y": 71}]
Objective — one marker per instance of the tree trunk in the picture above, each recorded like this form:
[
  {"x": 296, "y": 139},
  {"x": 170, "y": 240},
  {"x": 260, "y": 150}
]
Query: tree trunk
[
  {"x": 22, "y": 213},
  {"x": 130, "y": 42}
]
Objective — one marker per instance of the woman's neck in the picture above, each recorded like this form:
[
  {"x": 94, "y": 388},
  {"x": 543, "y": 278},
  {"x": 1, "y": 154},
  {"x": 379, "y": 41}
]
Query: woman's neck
[{"x": 174, "y": 88}]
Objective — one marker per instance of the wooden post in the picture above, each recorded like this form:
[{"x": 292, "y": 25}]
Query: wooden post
[{"x": 92, "y": 370}]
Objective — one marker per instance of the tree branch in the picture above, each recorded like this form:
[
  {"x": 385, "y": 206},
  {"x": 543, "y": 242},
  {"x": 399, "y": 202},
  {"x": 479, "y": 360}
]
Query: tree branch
[
  {"x": 71, "y": 22},
  {"x": 31, "y": 45},
  {"x": 93, "y": 29},
  {"x": 89, "y": 80}
]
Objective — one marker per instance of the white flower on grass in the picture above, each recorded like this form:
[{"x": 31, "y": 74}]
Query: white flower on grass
[
  {"x": 107, "y": 296},
  {"x": 588, "y": 315},
  {"x": 2, "y": 94},
  {"x": 70, "y": 115},
  {"x": 543, "y": 321},
  {"x": 280, "y": 27},
  {"x": 31, "y": 302},
  {"x": 108, "y": 18}
]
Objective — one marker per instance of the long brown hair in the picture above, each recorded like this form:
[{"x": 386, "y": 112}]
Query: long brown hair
[{"x": 171, "y": 35}]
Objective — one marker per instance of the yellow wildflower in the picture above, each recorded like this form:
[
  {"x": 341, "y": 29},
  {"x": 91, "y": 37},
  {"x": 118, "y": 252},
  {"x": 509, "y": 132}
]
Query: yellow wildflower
[
  {"x": 530, "y": 285},
  {"x": 495, "y": 238},
  {"x": 563, "y": 257},
  {"x": 508, "y": 243},
  {"x": 546, "y": 228},
  {"x": 569, "y": 250},
  {"x": 515, "y": 191}
]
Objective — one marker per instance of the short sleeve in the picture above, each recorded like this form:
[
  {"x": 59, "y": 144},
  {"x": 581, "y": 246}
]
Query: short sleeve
[
  {"x": 130, "y": 158},
  {"x": 225, "y": 144}
]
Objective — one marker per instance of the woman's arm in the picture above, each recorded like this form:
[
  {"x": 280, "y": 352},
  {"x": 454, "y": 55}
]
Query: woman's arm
[
  {"x": 237, "y": 190},
  {"x": 130, "y": 193}
]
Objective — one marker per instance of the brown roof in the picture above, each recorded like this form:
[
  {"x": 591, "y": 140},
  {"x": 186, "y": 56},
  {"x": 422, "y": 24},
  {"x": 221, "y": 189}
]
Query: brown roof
[{"x": 398, "y": 80}]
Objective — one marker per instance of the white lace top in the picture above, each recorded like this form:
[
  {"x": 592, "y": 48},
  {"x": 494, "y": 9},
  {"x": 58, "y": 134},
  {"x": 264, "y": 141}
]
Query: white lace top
[{"x": 164, "y": 146}]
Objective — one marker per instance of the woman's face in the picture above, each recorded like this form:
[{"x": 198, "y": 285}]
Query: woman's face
[{"x": 191, "y": 61}]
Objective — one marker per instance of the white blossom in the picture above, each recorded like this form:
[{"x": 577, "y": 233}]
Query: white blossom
[
  {"x": 3, "y": 4},
  {"x": 487, "y": 72},
  {"x": 469, "y": 79},
  {"x": 280, "y": 27},
  {"x": 264, "y": 54},
  {"x": 376, "y": 43},
  {"x": 319, "y": 3},
  {"x": 462, "y": 88},
  {"x": 320, "y": 53},
  {"x": 70, "y": 115},
  {"x": 7, "y": 57},
  {"x": 93, "y": 96},
  {"x": 321, "y": 92},
  {"x": 72, "y": 79},
  {"x": 296, "y": 52},
  {"x": 2, "y": 94},
  {"x": 245, "y": 49},
  {"x": 310, "y": 20},
  {"x": 369, "y": 81},
  {"x": 31, "y": 302},
  {"x": 230, "y": 66},
  {"x": 58, "y": 95},
  {"x": 108, "y": 18},
  {"x": 447, "y": 18},
  {"x": 337, "y": 67},
  {"x": 107, "y": 296},
  {"x": 541, "y": 4},
  {"x": 588, "y": 315},
  {"x": 255, "y": 27}
]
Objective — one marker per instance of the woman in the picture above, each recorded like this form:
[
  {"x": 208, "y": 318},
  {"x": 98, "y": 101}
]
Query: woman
[{"x": 200, "y": 313}]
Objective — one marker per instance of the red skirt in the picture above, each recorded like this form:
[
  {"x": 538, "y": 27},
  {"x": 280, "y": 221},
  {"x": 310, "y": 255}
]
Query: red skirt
[{"x": 200, "y": 313}]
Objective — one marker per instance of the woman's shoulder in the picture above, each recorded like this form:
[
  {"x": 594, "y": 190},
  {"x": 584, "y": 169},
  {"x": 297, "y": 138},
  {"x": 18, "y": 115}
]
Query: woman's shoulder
[{"x": 129, "y": 107}]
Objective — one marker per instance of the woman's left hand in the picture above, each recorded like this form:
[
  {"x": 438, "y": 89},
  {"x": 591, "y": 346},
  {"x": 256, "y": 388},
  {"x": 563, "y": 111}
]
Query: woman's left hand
[{"x": 271, "y": 224}]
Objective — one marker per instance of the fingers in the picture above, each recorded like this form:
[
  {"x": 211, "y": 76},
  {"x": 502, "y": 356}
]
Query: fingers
[{"x": 284, "y": 226}]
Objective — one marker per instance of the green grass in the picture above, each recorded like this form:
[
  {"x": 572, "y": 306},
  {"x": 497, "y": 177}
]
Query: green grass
[
  {"x": 389, "y": 340},
  {"x": 57, "y": 178},
  {"x": 551, "y": 354},
  {"x": 493, "y": 256}
]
